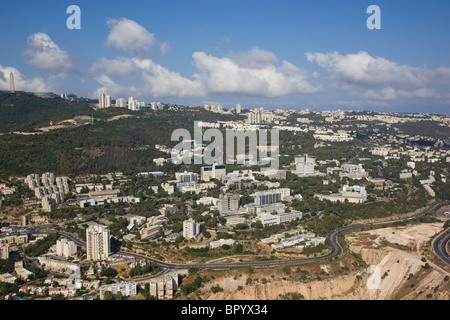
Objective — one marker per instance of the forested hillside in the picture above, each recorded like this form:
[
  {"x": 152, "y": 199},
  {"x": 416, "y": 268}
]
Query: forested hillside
[
  {"x": 25, "y": 111},
  {"x": 125, "y": 144}
]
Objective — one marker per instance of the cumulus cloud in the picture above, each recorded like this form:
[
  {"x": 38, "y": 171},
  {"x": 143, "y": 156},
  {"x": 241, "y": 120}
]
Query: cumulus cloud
[
  {"x": 362, "y": 68},
  {"x": 379, "y": 78},
  {"x": 390, "y": 93},
  {"x": 255, "y": 72},
  {"x": 46, "y": 54},
  {"x": 262, "y": 77},
  {"x": 110, "y": 87},
  {"x": 21, "y": 82},
  {"x": 130, "y": 37},
  {"x": 255, "y": 58},
  {"x": 120, "y": 66},
  {"x": 156, "y": 80}
]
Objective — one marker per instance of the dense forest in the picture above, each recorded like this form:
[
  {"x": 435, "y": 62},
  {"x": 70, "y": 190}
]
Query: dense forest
[{"x": 25, "y": 111}]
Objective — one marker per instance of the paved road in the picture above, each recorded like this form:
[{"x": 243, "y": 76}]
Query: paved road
[
  {"x": 440, "y": 246},
  {"x": 336, "y": 248}
]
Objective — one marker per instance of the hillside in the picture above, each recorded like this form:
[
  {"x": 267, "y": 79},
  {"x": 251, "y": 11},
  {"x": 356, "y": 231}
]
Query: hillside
[
  {"x": 25, "y": 111},
  {"x": 372, "y": 268},
  {"x": 114, "y": 139}
]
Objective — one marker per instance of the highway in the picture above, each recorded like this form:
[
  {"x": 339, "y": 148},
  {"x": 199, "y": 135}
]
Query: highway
[
  {"x": 336, "y": 249},
  {"x": 440, "y": 245}
]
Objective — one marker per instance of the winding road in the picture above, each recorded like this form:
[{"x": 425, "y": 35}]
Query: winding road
[{"x": 439, "y": 247}]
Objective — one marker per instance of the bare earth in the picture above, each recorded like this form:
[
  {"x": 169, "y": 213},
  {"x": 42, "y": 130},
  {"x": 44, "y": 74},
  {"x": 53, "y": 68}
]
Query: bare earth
[{"x": 390, "y": 266}]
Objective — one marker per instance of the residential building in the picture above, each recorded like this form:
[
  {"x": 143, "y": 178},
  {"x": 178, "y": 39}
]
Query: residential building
[
  {"x": 4, "y": 251},
  {"x": 270, "y": 196},
  {"x": 98, "y": 243},
  {"x": 127, "y": 289},
  {"x": 66, "y": 248},
  {"x": 191, "y": 229},
  {"x": 102, "y": 100},
  {"x": 229, "y": 203},
  {"x": 164, "y": 288},
  {"x": 353, "y": 171},
  {"x": 186, "y": 176},
  {"x": 107, "y": 101}
]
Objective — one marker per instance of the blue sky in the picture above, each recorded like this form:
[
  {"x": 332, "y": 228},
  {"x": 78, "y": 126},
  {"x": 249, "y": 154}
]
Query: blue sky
[{"x": 298, "y": 54}]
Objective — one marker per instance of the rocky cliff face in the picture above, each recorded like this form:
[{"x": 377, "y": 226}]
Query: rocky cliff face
[{"x": 345, "y": 287}]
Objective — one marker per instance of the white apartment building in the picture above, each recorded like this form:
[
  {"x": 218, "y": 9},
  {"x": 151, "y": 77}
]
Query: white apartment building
[
  {"x": 98, "y": 243},
  {"x": 271, "y": 196},
  {"x": 121, "y": 103},
  {"x": 165, "y": 287},
  {"x": 107, "y": 101},
  {"x": 190, "y": 229},
  {"x": 186, "y": 176},
  {"x": 66, "y": 248},
  {"x": 101, "y": 100},
  {"x": 229, "y": 203},
  {"x": 127, "y": 289}
]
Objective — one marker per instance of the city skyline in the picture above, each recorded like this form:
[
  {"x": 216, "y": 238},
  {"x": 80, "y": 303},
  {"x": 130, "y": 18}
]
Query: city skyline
[{"x": 288, "y": 54}]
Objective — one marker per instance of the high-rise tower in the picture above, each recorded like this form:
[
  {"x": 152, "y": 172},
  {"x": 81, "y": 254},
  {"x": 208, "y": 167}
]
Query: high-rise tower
[
  {"x": 11, "y": 82},
  {"x": 98, "y": 245}
]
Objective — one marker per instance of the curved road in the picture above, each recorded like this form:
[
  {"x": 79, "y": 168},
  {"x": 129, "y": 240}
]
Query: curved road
[{"x": 439, "y": 246}]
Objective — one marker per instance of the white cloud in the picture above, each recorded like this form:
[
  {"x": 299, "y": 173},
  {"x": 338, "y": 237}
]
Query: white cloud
[
  {"x": 113, "y": 89},
  {"x": 130, "y": 37},
  {"x": 164, "y": 48},
  {"x": 45, "y": 54},
  {"x": 263, "y": 76},
  {"x": 255, "y": 58},
  {"x": 390, "y": 93},
  {"x": 21, "y": 82},
  {"x": 120, "y": 66},
  {"x": 379, "y": 78},
  {"x": 361, "y": 68}
]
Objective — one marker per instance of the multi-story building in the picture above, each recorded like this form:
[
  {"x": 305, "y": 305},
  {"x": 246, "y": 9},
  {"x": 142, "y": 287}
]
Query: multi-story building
[
  {"x": 98, "y": 244},
  {"x": 186, "y": 176},
  {"x": 165, "y": 287},
  {"x": 21, "y": 272},
  {"x": 101, "y": 100},
  {"x": 125, "y": 288},
  {"x": 4, "y": 251},
  {"x": 50, "y": 191},
  {"x": 216, "y": 171},
  {"x": 353, "y": 171},
  {"x": 132, "y": 104},
  {"x": 229, "y": 203},
  {"x": 190, "y": 229},
  {"x": 66, "y": 248},
  {"x": 107, "y": 101},
  {"x": 257, "y": 116},
  {"x": 352, "y": 194},
  {"x": 271, "y": 196},
  {"x": 305, "y": 159}
]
